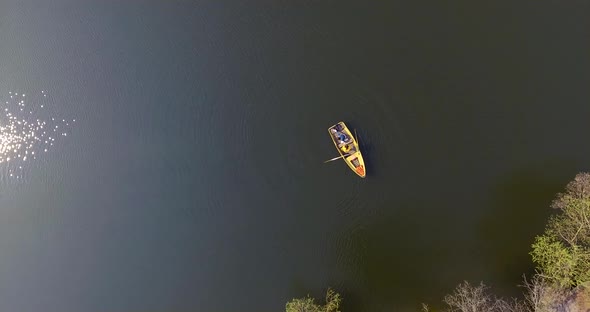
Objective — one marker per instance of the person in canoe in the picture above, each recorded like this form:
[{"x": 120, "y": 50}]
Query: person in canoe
[{"x": 342, "y": 137}]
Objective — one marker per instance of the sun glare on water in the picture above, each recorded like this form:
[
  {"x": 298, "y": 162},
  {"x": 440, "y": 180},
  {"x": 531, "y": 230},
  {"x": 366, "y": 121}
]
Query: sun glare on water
[{"x": 27, "y": 131}]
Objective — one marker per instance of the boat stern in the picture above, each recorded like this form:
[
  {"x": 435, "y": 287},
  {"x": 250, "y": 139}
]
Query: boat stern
[{"x": 360, "y": 171}]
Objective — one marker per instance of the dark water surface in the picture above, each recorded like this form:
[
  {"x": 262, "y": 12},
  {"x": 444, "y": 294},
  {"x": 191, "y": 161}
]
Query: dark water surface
[{"x": 193, "y": 179}]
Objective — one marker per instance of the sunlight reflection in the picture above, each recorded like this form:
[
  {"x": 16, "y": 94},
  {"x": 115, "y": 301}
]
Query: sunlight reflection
[{"x": 24, "y": 130}]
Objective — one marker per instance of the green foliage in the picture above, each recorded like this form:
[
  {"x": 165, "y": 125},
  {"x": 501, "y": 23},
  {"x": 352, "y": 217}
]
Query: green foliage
[
  {"x": 308, "y": 304},
  {"x": 302, "y": 305},
  {"x": 555, "y": 261},
  {"x": 582, "y": 269},
  {"x": 333, "y": 301},
  {"x": 562, "y": 253}
]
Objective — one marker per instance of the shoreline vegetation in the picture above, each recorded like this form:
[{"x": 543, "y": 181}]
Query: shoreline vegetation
[
  {"x": 561, "y": 255},
  {"x": 308, "y": 304}
]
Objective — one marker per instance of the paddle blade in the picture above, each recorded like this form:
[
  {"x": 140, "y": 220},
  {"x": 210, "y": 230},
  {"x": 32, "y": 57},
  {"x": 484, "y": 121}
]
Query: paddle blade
[{"x": 335, "y": 158}]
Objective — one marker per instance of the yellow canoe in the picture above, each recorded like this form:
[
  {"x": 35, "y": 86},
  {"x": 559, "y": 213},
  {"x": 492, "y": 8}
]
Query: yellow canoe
[{"x": 348, "y": 148}]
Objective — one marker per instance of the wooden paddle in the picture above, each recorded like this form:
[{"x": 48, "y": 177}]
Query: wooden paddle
[{"x": 329, "y": 160}]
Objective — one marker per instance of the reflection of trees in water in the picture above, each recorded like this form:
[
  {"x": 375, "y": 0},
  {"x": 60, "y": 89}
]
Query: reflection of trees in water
[
  {"x": 562, "y": 256},
  {"x": 403, "y": 258},
  {"x": 517, "y": 213},
  {"x": 424, "y": 246}
]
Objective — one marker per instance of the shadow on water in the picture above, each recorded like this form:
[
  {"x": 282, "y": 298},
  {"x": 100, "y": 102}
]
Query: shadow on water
[
  {"x": 423, "y": 249},
  {"x": 368, "y": 156},
  {"x": 395, "y": 255},
  {"x": 367, "y": 149},
  {"x": 520, "y": 207}
]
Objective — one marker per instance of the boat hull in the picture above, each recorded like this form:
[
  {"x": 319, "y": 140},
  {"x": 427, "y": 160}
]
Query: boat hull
[{"x": 348, "y": 147}]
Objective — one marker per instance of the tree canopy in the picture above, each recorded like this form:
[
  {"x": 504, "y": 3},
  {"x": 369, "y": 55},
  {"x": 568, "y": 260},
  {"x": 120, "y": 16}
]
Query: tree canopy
[
  {"x": 562, "y": 253},
  {"x": 308, "y": 304}
]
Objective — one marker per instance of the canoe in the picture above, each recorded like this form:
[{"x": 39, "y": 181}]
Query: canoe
[{"x": 348, "y": 148}]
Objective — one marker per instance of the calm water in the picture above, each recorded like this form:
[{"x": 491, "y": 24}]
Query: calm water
[{"x": 193, "y": 177}]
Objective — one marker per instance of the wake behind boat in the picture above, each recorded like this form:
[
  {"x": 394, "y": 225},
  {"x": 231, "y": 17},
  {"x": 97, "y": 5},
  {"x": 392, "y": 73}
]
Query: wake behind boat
[{"x": 348, "y": 148}]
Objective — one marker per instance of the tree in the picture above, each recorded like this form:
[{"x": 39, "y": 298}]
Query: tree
[
  {"x": 555, "y": 261},
  {"x": 535, "y": 293},
  {"x": 308, "y": 304},
  {"x": 469, "y": 298},
  {"x": 539, "y": 296},
  {"x": 573, "y": 225},
  {"x": 562, "y": 253}
]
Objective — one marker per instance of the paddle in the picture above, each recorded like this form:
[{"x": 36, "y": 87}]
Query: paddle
[{"x": 329, "y": 160}]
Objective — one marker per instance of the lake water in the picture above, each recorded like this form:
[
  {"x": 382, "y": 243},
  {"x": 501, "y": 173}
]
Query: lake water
[{"x": 192, "y": 178}]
